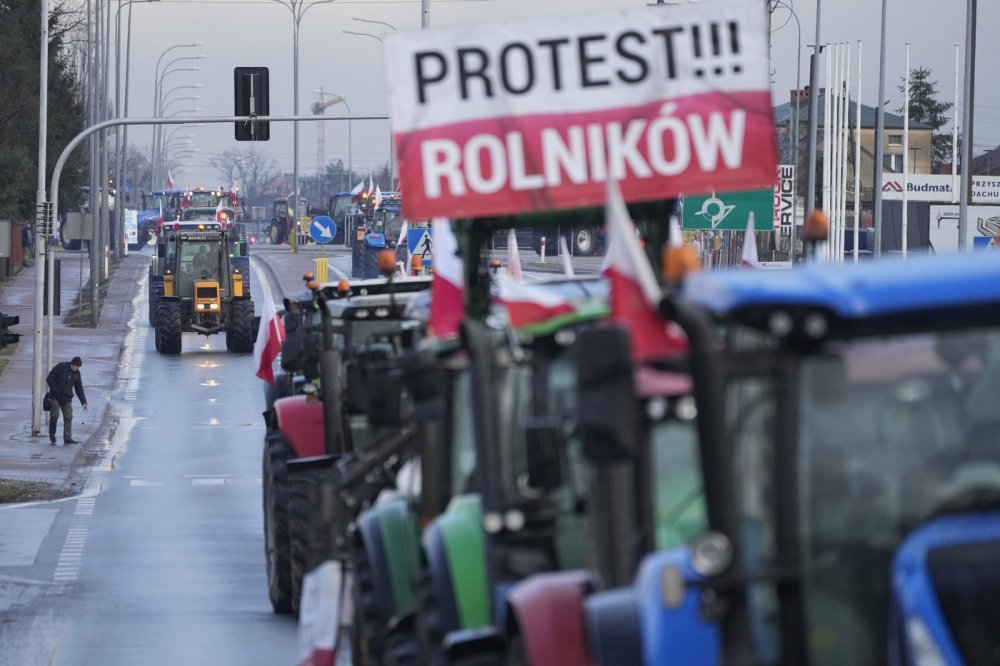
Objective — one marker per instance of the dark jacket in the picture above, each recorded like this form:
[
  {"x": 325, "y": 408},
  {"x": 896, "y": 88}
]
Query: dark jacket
[{"x": 62, "y": 381}]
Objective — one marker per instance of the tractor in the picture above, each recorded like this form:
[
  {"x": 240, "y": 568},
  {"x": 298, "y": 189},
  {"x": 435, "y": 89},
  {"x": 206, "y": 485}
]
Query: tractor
[
  {"x": 284, "y": 219},
  {"x": 202, "y": 289}
]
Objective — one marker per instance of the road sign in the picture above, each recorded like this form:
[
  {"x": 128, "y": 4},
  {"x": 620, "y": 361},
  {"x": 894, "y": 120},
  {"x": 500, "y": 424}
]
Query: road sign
[
  {"x": 420, "y": 244},
  {"x": 729, "y": 211},
  {"x": 322, "y": 229},
  {"x": 535, "y": 114}
]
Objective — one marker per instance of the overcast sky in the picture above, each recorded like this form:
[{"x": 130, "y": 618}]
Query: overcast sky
[{"x": 259, "y": 33}]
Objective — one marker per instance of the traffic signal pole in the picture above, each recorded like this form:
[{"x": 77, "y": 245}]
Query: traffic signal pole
[{"x": 48, "y": 212}]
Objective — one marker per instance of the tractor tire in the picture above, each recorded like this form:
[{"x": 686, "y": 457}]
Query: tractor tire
[
  {"x": 168, "y": 327},
  {"x": 369, "y": 621},
  {"x": 239, "y": 332},
  {"x": 155, "y": 290},
  {"x": 276, "y": 233},
  {"x": 277, "y": 452},
  {"x": 305, "y": 529},
  {"x": 584, "y": 241}
]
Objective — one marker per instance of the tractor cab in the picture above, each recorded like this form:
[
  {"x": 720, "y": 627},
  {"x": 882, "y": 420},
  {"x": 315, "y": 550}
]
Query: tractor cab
[{"x": 850, "y": 475}]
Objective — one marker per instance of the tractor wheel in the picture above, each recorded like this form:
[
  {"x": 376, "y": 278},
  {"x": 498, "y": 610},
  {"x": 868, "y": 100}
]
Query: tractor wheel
[
  {"x": 369, "y": 622},
  {"x": 584, "y": 241},
  {"x": 239, "y": 332},
  {"x": 168, "y": 327},
  {"x": 155, "y": 289},
  {"x": 276, "y": 545},
  {"x": 276, "y": 233},
  {"x": 305, "y": 529}
]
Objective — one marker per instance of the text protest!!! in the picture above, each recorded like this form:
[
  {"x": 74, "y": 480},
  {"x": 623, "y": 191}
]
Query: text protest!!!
[{"x": 536, "y": 116}]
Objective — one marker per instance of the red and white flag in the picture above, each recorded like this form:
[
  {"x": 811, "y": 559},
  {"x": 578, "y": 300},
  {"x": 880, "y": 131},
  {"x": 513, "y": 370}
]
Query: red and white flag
[
  {"x": 220, "y": 214},
  {"x": 749, "y": 257},
  {"x": 170, "y": 180},
  {"x": 447, "y": 288},
  {"x": 358, "y": 189},
  {"x": 513, "y": 256},
  {"x": 529, "y": 304},
  {"x": 635, "y": 294},
  {"x": 270, "y": 335}
]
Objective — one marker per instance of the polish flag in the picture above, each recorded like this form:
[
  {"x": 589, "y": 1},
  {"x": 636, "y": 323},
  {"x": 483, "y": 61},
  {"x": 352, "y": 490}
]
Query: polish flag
[
  {"x": 513, "y": 256},
  {"x": 220, "y": 214},
  {"x": 401, "y": 240},
  {"x": 358, "y": 189},
  {"x": 635, "y": 294},
  {"x": 170, "y": 180},
  {"x": 447, "y": 291},
  {"x": 749, "y": 257},
  {"x": 269, "y": 338},
  {"x": 529, "y": 304}
]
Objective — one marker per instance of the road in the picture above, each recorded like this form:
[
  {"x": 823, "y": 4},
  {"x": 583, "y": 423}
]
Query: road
[{"x": 160, "y": 559}]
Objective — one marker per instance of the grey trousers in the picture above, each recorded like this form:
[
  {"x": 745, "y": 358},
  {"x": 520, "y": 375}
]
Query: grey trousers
[{"x": 67, "y": 412}]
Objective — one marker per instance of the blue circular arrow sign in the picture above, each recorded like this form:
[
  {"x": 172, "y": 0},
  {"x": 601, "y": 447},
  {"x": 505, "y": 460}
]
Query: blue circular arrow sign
[{"x": 322, "y": 229}]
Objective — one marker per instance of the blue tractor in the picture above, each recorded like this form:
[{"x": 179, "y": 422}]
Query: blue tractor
[{"x": 841, "y": 500}]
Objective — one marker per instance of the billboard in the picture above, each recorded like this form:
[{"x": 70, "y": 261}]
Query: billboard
[
  {"x": 939, "y": 188},
  {"x": 539, "y": 114},
  {"x": 984, "y": 225}
]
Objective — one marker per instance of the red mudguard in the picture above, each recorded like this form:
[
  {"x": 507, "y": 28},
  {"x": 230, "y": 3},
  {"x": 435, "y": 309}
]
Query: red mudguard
[
  {"x": 549, "y": 612},
  {"x": 301, "y": 423}
]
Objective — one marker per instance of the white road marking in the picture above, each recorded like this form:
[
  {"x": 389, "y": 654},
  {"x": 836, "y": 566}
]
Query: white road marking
[
  {"x": 68, "y": 566},
  {"x": 144, "y": 482},
  {"x": 85, "y": 506},
  {"x": 208, "y": 482}
]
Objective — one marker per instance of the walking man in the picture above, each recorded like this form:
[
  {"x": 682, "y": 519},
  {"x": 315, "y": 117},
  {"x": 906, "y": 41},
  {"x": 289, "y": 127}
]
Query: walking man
[{"x": 63, "y": 379}]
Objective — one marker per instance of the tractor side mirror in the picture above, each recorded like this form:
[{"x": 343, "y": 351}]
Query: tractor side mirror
[
  {"x": 155, "y": 268},
  {"x": 356, "y": 395},
  {"x": 423, "y": 374},
  {"x": 609, "y": 413},
  {"x": 242, "y": 245},
  {"x": 545, "y": 442}
]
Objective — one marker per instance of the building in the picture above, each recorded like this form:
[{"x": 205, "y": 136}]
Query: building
[
  {"x": 919, "y": 143},
  {"x": 987, "y": 164}
]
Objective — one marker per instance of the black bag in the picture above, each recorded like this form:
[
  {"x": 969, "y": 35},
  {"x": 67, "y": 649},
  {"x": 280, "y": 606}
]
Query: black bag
[{"x": 46, "y": 402}]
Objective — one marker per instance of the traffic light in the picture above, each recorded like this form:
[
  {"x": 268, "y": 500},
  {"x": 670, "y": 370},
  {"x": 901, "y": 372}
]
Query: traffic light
[
  {"x": 7, "y": 337},
  {"x": 251, "y": 95}
]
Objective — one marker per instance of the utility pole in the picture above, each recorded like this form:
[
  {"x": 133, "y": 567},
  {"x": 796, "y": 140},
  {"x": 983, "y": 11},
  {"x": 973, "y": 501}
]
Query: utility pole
[
  {"x": 970, "y": 85},
  {"x": 880, "y": 138},
  {"x": 813, "y": 111}
]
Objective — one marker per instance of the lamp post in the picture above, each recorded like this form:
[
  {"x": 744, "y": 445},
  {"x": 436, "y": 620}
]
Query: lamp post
[
  {"x": 158, "y": 89},
  {"x": 320, "y": 108},
  {"x": 795, "y": 110},
  {"x": 157, "y": 132},
  {"x": 298, "y": 8},
  {"x": 392, "y": 157}
]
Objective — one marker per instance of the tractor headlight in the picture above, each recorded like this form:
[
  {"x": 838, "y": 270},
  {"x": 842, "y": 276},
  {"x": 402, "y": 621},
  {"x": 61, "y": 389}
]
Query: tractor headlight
[
  {"x": 213, "y": 306},
  {"x": 201, "y": 306}
]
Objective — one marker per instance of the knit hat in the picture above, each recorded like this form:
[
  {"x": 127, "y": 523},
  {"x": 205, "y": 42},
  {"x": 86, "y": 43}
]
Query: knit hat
[{"x": 76, "y": 361}]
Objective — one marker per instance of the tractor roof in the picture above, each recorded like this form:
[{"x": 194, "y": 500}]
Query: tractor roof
[{"x": 888, "y": 288}]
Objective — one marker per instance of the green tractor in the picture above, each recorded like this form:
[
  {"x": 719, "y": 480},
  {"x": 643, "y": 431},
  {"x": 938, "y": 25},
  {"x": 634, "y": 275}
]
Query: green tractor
[{"x": 203, "y": 290}]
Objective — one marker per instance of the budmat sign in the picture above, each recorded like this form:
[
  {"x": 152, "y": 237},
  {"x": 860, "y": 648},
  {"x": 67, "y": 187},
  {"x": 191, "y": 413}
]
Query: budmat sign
[{"x": 538, "y": 115}]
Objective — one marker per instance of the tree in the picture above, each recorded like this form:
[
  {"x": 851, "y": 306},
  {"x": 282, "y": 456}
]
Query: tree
[
  {"x": 19, "y": 52},
  {"x": 925, "y": 108},
  {"x": 249, "y": 168}
]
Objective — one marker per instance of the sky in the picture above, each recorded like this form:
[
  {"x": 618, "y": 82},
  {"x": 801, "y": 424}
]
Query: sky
[{"x": 260, "y": 33}]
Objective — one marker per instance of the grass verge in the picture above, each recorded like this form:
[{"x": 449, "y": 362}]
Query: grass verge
[{"x": 12, "y": 492}]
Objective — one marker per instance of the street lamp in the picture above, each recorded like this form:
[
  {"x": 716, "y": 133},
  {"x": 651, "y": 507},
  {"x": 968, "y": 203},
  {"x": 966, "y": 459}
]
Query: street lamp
[
  {"x": 158, "y": 86},
  {"x": 388, "y": 25},
  {"x": 319, "y": 108},
  {"x": 157, "y": 132},
  {"x": 298, "y": 8},
  {"x": 392, "y": 156},
  {"x": 796, "y": 115}
]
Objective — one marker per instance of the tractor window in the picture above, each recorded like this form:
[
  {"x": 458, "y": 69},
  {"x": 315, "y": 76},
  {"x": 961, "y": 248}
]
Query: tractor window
[
  {"x": 463, "y": 449},
  {"x": 199, "y": 260},
  {"x": 678, "y": 494},
  {"x": 750, "y": 419},
  {"x": 891, "y": 431}
]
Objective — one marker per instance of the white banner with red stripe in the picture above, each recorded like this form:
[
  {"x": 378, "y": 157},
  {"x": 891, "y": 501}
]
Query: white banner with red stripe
[{"x": 539, "y": 114}]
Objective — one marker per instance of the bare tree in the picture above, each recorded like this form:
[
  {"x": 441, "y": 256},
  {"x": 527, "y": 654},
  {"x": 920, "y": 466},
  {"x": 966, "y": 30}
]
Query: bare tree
[{"x": 248, "y": 168}]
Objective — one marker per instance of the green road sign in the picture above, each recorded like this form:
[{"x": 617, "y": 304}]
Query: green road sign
[{"x": 729, "y": 210}]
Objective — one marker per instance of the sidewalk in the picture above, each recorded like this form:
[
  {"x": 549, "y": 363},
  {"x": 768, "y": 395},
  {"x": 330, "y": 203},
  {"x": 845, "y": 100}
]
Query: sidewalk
[{"x": 27, "y": 458}]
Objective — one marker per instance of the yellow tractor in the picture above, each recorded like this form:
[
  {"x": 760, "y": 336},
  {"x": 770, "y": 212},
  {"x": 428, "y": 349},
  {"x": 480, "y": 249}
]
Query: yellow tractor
[{"x": 204, "y": 290}]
